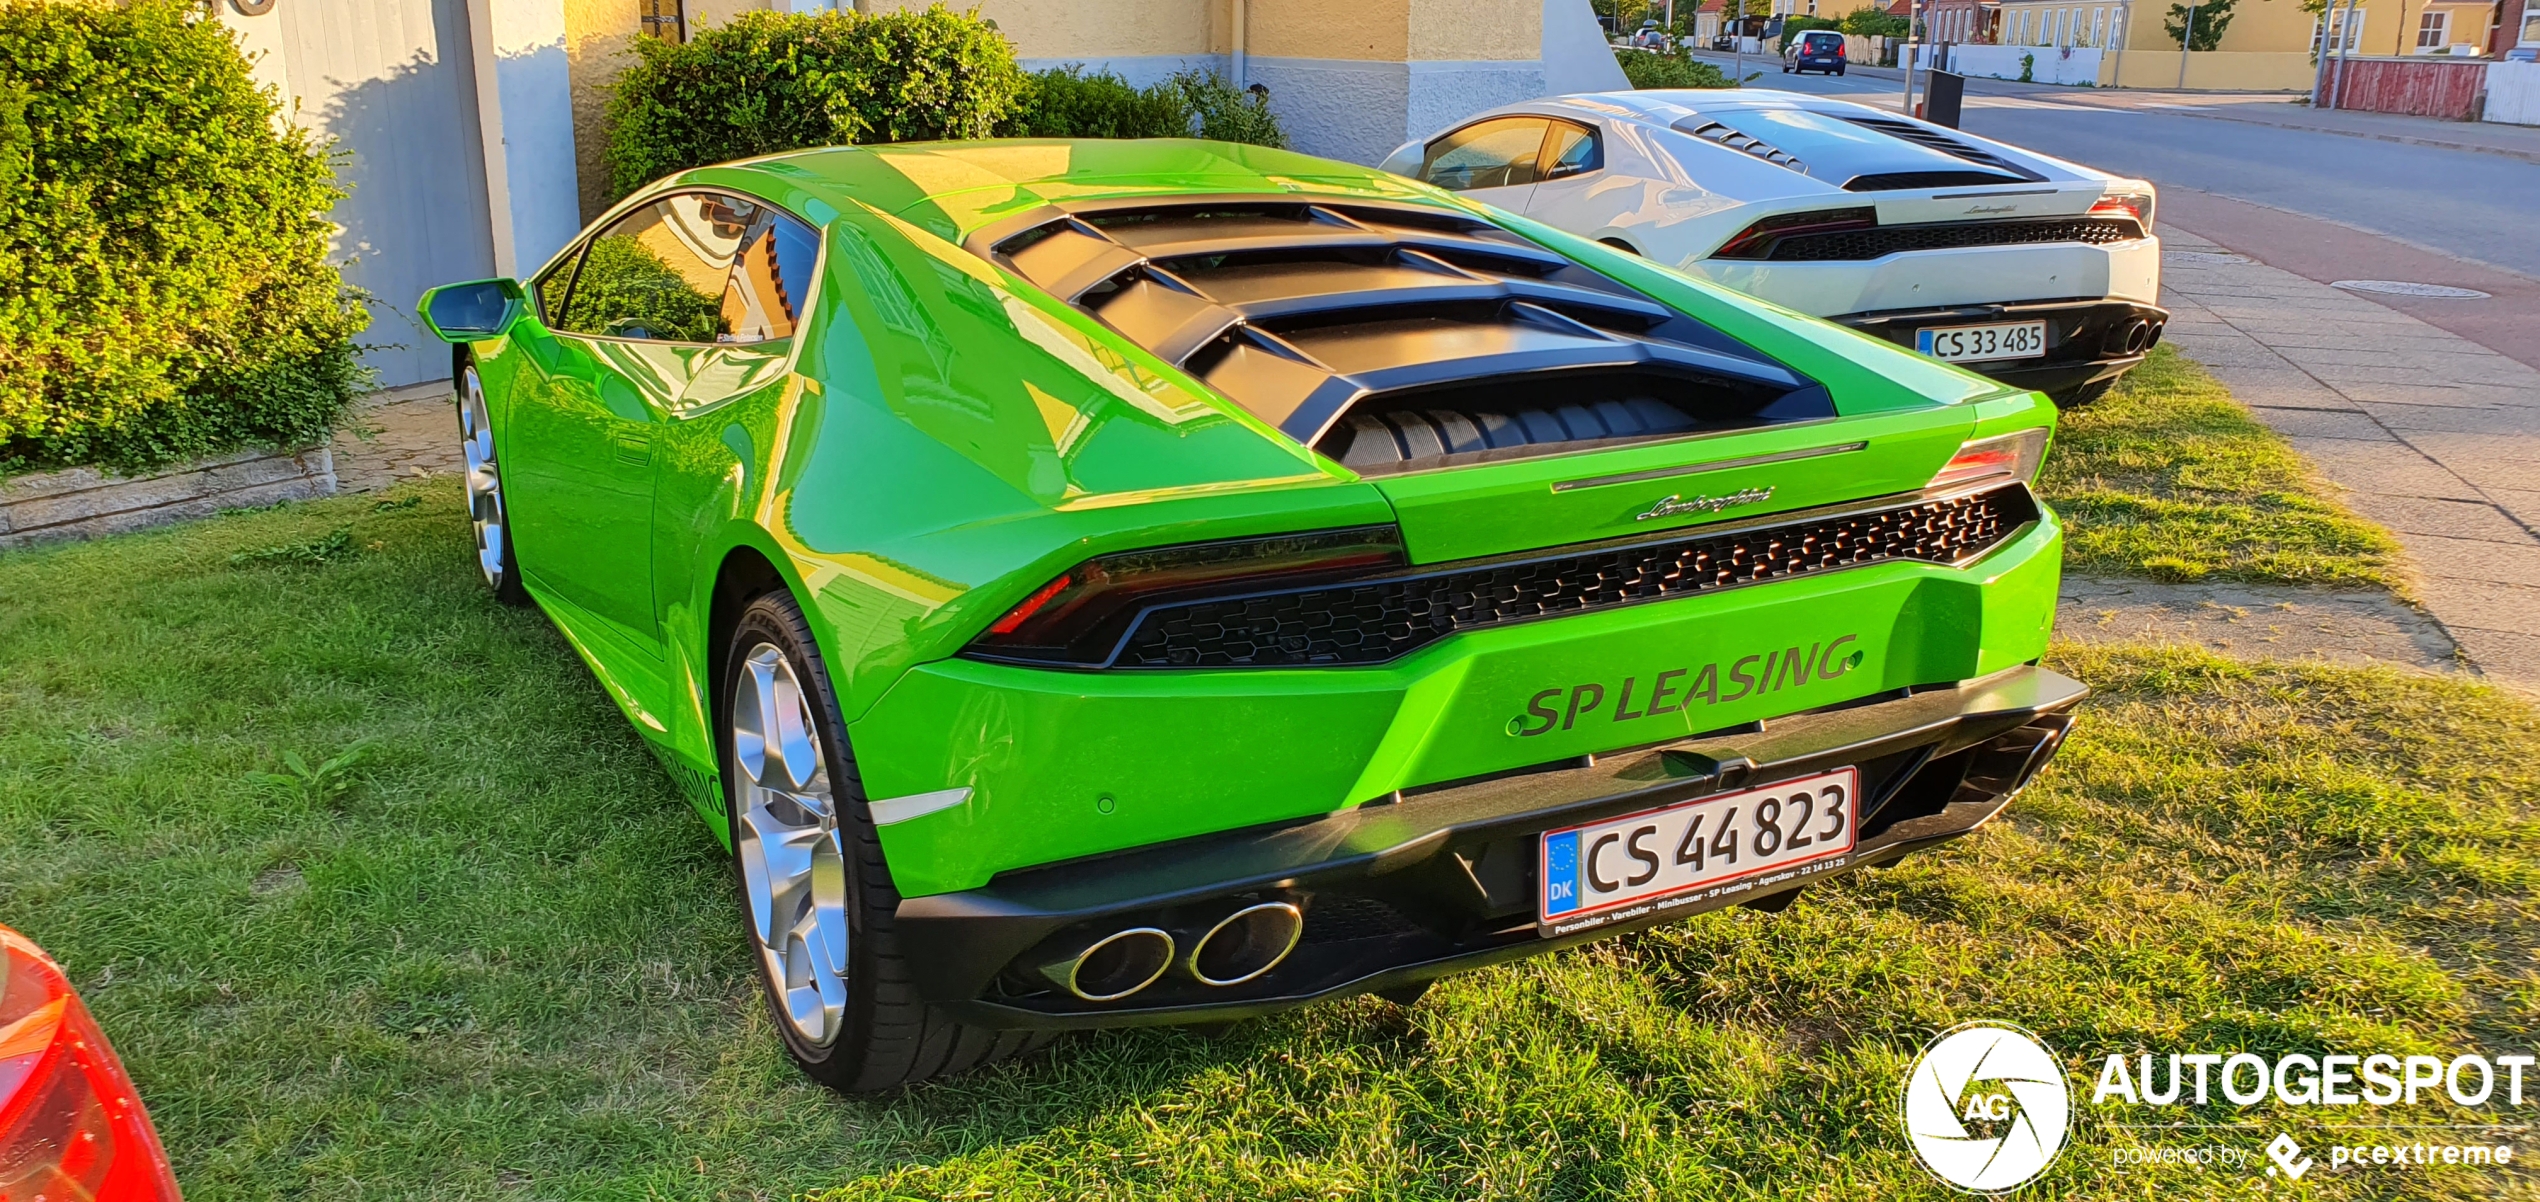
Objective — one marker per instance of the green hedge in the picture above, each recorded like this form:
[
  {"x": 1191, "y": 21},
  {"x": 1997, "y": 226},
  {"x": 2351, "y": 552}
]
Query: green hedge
[
  {"x": 1646, "y": 69},
  {"x": 769, "y": 82},
  {"x": 1064, "y": 102},
  {"x": 164, "y": 284},
  {"x": 1794, "y": 26}
]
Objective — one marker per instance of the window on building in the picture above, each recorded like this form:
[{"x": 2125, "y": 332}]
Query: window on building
[
  {"x": 2098, "y": 26},
  {"x": 2434, "y": 31},
  {"x": 2346, "y": 29},
  {"x": 2531, "y": 23},
  {"x": 665, "y": 19}
]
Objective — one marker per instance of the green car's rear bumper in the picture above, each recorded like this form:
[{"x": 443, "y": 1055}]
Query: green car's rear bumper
[{"x": 1445, "y": 880}]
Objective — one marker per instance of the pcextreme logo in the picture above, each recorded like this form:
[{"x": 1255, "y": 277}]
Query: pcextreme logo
[{"x": 1987, "y": 1107}]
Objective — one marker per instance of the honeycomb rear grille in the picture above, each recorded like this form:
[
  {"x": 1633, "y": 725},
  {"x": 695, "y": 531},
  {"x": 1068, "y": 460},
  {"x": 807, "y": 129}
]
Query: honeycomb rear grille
[
  {"x": 1372, "y": 621},
  {"x": 1850, "y": 245}
]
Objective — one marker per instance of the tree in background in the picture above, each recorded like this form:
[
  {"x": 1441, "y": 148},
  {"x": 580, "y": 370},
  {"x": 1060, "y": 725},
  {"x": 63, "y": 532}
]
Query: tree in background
[{"x": 2212, "y": 18}]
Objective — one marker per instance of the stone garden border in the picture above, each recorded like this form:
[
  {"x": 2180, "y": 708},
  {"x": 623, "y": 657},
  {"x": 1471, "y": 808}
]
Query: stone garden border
[{"x": 85, "y": 502}]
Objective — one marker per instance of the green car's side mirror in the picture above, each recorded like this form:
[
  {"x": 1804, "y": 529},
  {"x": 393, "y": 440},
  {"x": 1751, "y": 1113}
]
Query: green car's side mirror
[{"x": 473, "y": 311}]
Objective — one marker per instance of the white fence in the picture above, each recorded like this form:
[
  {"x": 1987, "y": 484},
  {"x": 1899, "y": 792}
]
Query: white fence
[
  {"x": 2513, "y": 93},
  {"x": 2041, "y": 64}
]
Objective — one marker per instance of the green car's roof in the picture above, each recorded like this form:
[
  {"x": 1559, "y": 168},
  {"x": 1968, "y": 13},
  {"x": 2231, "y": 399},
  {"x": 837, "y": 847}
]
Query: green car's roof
[{"x": 954, "y": 188}]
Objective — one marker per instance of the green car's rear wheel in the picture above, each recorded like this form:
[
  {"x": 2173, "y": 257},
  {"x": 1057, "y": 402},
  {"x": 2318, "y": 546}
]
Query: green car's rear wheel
[
  {"x": 816, "y": 897},
  {"x": 487, "y": 517}
]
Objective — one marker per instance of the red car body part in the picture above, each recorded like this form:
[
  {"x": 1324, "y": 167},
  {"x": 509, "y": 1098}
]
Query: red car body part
[{"x": 71, "y": 1127}]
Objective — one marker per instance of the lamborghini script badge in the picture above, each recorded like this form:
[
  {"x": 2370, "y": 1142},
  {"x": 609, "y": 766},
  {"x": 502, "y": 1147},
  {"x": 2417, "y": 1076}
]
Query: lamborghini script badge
[{"x": 1678, "y": 503}]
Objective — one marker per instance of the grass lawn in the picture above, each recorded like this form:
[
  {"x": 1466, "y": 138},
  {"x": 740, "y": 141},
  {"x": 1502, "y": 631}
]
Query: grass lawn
[
  {"x": 2169, "y": 477},
  {"x": 489, "y": 954}
]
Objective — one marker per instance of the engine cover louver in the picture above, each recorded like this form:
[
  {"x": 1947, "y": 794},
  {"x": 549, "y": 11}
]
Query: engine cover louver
[{"x": 1309, "y": 313}]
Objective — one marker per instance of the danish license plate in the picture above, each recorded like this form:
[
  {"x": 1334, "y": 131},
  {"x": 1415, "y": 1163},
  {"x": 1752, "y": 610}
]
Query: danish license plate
[
  {"x": 2003, "y": 340},
  {"x": 1657, "y": 860}
]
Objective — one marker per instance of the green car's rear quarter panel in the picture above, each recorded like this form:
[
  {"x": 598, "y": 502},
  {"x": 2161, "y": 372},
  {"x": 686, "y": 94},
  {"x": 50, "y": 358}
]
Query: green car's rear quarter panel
[{"x": 945, "y": 439}]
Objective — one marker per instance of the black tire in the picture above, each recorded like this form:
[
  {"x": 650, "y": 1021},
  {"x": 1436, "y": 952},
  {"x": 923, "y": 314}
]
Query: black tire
[
  {"x": 1619, "y": 244},
  {"x": 890, "y": 1036},
  {"x": 2075, "y": 398},
  {"x": 489, "y": 514}
]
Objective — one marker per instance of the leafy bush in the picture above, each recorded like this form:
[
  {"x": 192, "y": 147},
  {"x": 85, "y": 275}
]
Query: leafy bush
[
  {"x": 1794, "y": 26},
  {"x": 1873, "y": 23},
  {"x": 1647, "y": 70},
  {"x": 767, "y": 82},
  {"x": 1223, "y": 112},
  {"x": 1064, "y": 102},
  {"x": 164, "y": 284}
]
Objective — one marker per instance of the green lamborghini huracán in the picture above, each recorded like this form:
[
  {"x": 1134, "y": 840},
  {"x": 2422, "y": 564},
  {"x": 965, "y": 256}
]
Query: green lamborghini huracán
[{"x": 1119, "y": 582}]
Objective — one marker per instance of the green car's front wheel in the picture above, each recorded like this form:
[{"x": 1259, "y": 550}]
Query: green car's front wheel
[
  {"x": 487, "y": 517},
  {"x": 816, "y": 897}
]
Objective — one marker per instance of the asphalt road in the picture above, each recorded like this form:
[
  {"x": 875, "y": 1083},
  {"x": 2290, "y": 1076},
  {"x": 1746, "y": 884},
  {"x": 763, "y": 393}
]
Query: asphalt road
[{"x": 2329, "y": 206}]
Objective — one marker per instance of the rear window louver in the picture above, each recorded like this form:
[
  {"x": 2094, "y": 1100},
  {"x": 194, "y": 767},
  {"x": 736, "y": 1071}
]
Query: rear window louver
[
  {"x": 1713, "y": 131},
  {"x": 1392, "y": 337},
  {"x": 1936, "y": 140}
]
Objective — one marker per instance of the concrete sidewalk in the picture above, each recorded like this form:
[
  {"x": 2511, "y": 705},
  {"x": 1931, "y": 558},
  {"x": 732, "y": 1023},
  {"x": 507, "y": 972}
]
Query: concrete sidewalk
[
  {"x": 2429, "y": 433},
  {"x": 2251, "y": 108}
]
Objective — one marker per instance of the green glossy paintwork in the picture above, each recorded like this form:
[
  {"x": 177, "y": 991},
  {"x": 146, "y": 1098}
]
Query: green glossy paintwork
[{"x": 938, "y": 439}]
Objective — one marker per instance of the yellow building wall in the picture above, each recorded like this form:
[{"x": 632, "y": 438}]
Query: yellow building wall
[
  {"x": 598, "y": 35},
  {"x": 2259, "y": 28},
  {"x": 1091, "y": 29}
]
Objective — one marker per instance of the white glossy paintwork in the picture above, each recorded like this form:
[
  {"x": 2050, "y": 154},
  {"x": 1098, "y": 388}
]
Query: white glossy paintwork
[{"x": 1676, "y": 198}]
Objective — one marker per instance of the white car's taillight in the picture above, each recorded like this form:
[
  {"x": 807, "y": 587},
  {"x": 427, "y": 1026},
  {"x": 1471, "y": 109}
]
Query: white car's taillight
[
  {"x": 2137, "y": 205},
  {"x": 2013, "y": 456}
]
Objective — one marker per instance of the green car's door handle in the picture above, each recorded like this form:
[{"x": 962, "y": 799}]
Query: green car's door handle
[{"x": 633, "y": 446}]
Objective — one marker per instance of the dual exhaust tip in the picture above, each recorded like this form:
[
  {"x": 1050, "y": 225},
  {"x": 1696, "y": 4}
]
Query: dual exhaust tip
[
  {"x": 2134, "y": 337},
  {"x": 1241, "y": 945}
]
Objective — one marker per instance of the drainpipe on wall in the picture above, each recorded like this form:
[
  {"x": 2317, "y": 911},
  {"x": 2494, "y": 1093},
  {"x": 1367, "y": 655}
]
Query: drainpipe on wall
[
  {"x": 1239, "y": 45},
  {"x": 2123, "y": 33}
]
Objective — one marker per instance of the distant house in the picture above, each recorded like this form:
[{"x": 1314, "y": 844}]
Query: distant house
[{"x": 472, "y": 130}]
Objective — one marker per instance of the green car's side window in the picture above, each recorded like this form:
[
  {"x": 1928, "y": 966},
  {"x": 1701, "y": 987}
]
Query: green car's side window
[
  {"x": 771, "y": 279},
  {"x": 659, "y": 274},
  {"x": 550, "y": 288}
]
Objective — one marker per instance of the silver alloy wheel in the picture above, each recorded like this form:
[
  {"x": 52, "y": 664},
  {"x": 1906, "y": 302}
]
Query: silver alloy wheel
[
  {"x": 484, "y": 486},
  {"x": 792, "y": 864}
]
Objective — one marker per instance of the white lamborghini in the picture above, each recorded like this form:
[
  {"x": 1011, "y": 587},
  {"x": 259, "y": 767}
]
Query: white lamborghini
[{"x": 2027, "y": 268}]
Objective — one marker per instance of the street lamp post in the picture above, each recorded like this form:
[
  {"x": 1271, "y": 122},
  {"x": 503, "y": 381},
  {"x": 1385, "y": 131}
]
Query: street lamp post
[{"x": 2186, "y": 39}]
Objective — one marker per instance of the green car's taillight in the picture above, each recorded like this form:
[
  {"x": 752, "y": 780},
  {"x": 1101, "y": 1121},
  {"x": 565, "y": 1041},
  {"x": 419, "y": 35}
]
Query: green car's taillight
[
  {"x": 2016, "y": 456},
  {"x": 1079, "y": 618}
]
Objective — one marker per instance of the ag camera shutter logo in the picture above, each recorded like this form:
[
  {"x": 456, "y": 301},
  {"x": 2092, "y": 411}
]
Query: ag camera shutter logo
[{"x": 1987, "y": 1107}]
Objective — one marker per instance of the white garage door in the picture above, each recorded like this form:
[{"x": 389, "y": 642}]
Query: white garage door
[{"x": 393, "y": 81}]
